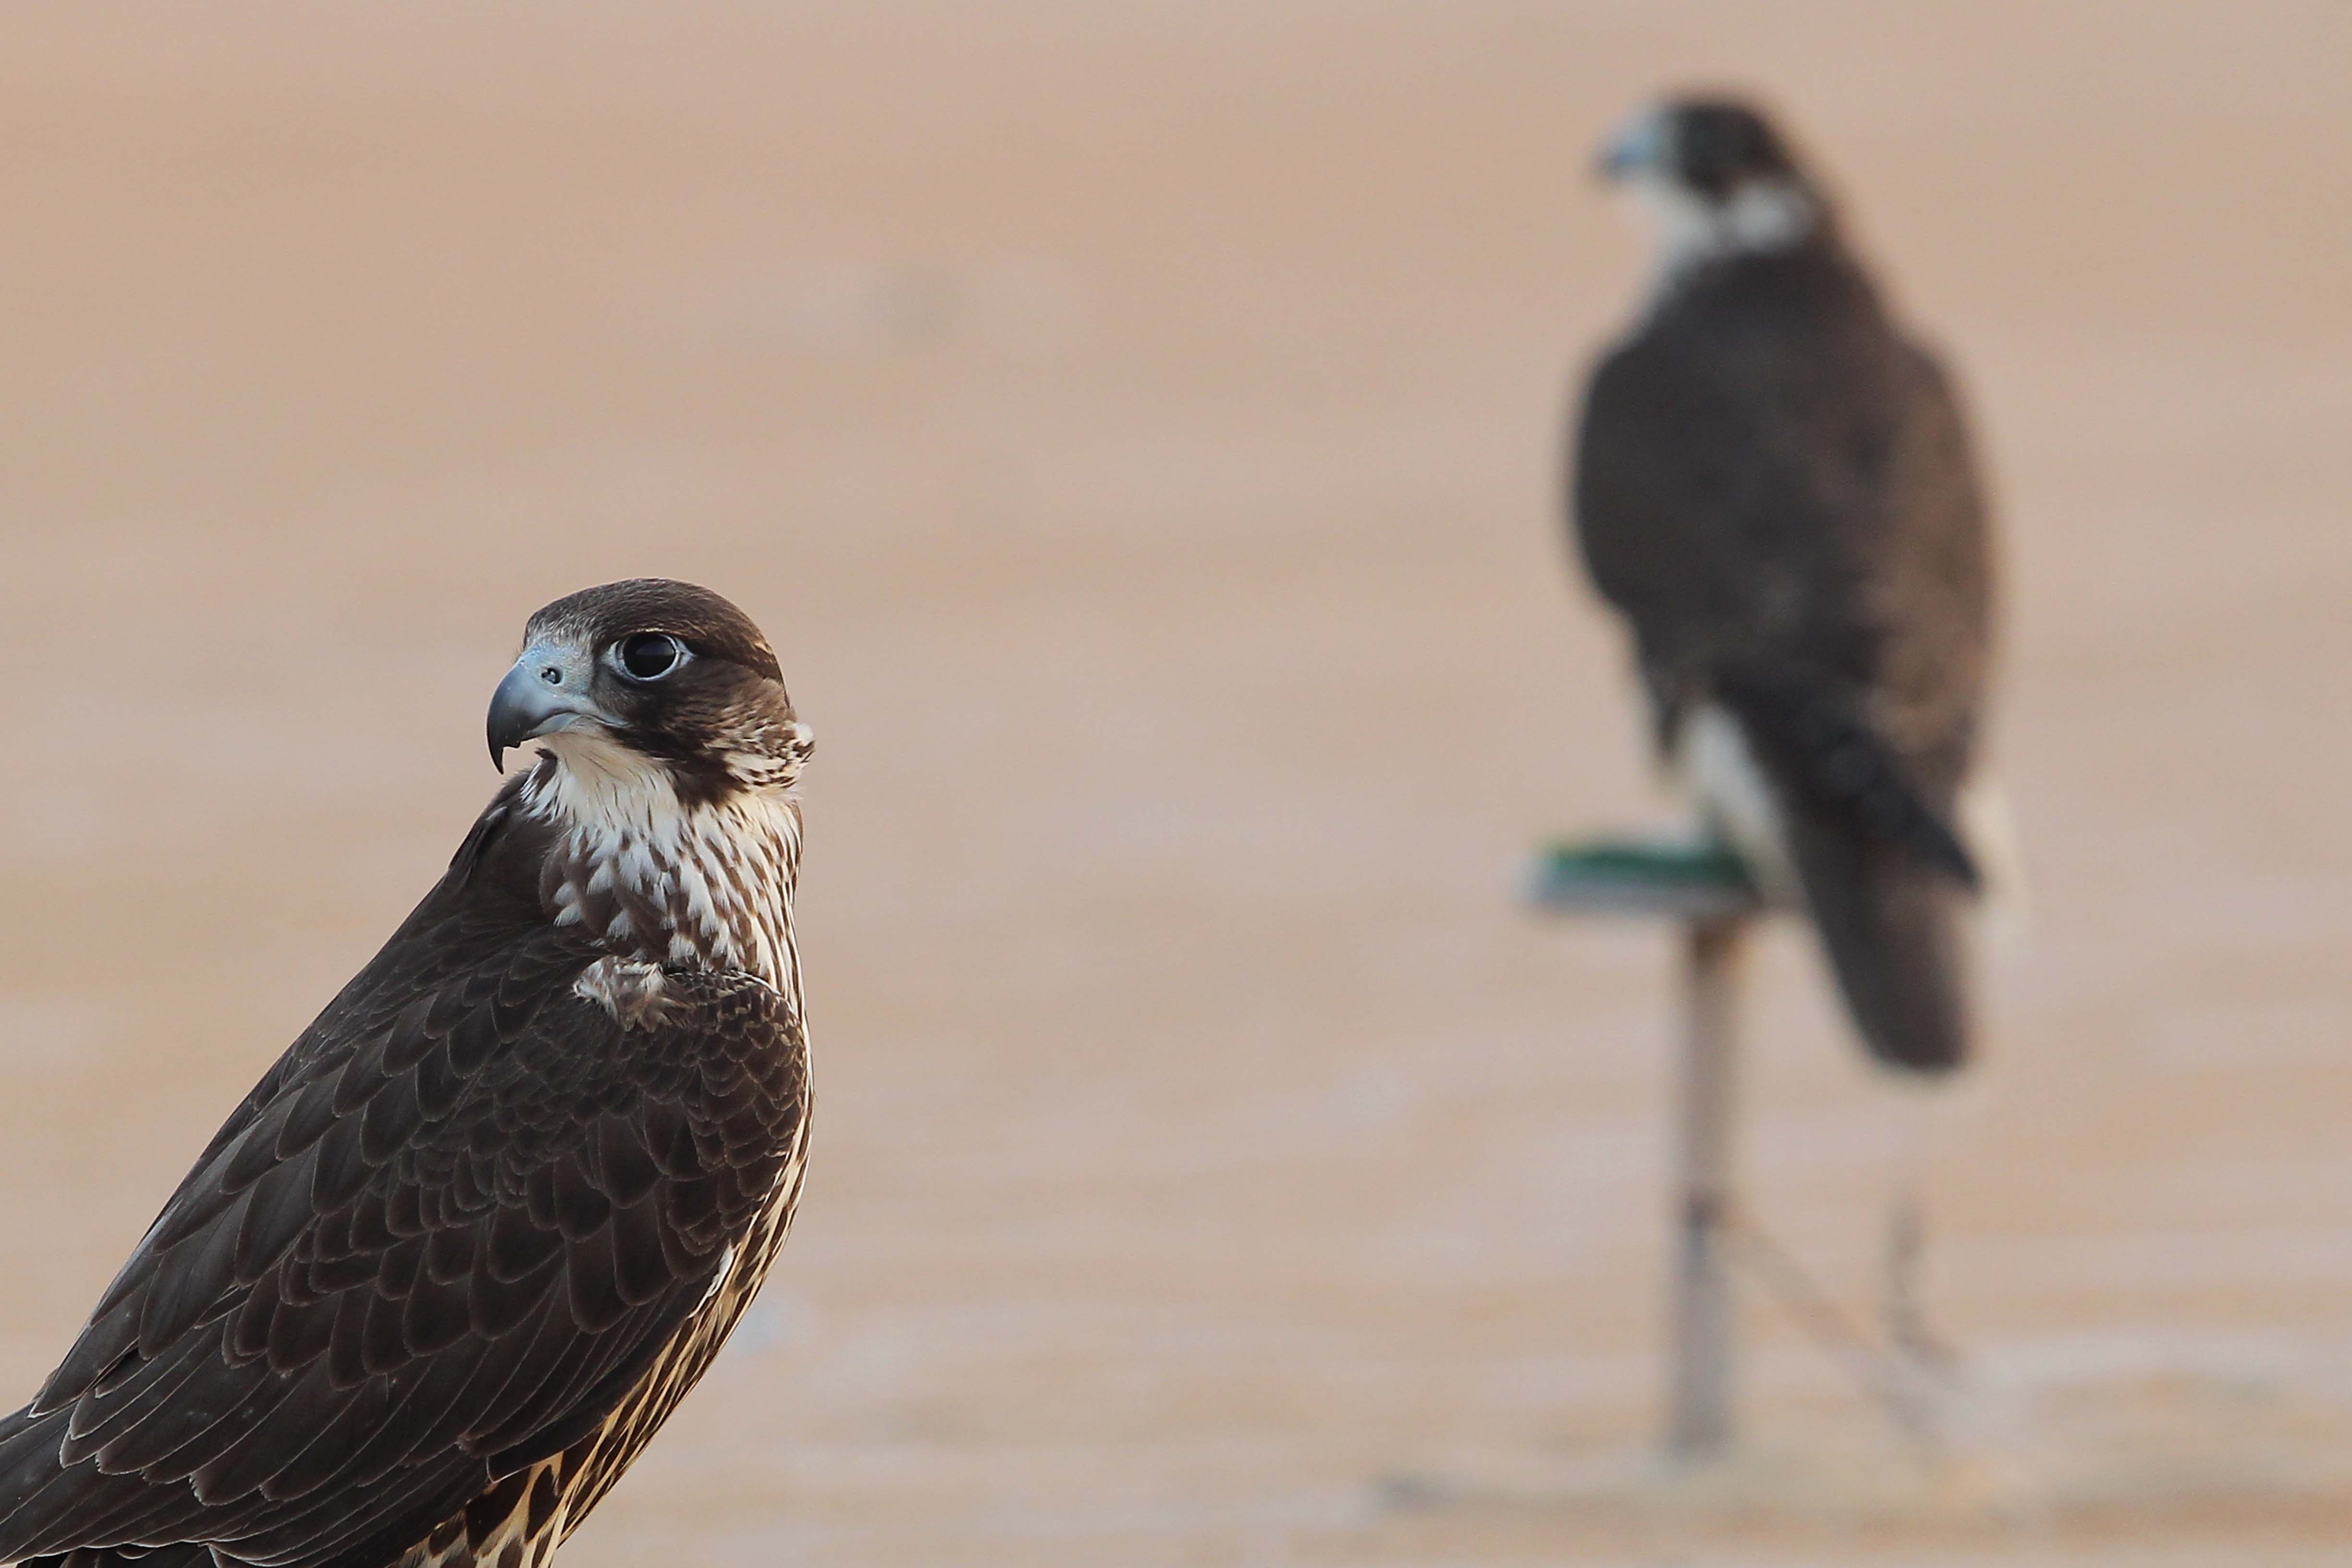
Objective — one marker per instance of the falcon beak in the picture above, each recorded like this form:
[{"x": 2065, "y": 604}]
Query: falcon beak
[
  {"x": 1638, "y": 144},
  {"x": 545, "y": 691}
]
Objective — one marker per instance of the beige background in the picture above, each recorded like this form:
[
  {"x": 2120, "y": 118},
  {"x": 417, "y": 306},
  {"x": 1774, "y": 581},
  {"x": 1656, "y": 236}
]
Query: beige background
[{"x": 1138, "y": 430}]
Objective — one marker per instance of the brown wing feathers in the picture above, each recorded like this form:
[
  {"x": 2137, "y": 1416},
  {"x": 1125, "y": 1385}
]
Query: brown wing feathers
[
  {"x": 1835, "y": 763},
  {"x": 439, "y": 1241}
]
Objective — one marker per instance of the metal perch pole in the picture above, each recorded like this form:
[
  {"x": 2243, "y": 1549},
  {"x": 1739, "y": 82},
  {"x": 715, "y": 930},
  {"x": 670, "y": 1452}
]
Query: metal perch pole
[
  {"x": 1704, "y": 1318},
  {"x": 1704, "y": 887}
]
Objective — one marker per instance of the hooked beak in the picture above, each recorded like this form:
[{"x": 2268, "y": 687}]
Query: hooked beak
[
  {"x": 545, "y": 691},
  {"x": 1638, "y": 144}
]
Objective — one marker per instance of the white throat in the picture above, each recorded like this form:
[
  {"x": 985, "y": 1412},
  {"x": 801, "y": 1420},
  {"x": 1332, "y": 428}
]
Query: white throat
[
  {"x": 1762, "y": 217},
  {"x": 704, "y": 884}
]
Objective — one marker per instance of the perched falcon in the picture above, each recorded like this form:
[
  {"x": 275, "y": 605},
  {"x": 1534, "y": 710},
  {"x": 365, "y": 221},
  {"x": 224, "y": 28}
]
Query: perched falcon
[
  {"x": 1773, "y": 483},
  {"x": 446, "y": 1270}
]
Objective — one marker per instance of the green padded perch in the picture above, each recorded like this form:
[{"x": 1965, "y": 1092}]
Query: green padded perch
[{"x": 1695, "y": 879}]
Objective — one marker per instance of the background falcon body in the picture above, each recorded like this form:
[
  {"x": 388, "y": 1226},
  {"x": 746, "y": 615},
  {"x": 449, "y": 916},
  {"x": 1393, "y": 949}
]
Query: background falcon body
[
  {"x": 1774, "y": 485},
  {"x": 444, "y": 1271}
]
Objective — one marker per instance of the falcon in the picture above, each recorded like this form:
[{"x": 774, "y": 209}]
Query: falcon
[
  {"x": 447, "y": 1269},
  {"x": 1773, "y": 483}
]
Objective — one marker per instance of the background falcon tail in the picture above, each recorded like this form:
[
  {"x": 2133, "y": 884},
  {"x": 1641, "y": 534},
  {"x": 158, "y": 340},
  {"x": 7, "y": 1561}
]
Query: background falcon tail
[
  {"x": 1891, "y": 925},
  {"x": 1884, "y": 874}
]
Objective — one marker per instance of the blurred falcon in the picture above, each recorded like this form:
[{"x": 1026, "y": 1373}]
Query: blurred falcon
[
  {"x": 446, "y": 1270},
  {"x": 1773, "y": 482}
]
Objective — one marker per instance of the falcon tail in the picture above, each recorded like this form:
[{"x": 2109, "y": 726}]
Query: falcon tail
[
  {"x": 1893, "y": 927},
  {"x": 1825, "y": 818}
]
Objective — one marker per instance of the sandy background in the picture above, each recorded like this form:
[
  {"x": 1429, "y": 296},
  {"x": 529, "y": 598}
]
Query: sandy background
[{"x": 1137, "y": 430}]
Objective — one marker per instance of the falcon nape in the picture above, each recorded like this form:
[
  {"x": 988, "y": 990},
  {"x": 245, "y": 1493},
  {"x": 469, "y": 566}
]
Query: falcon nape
[{"x": 448, "y": 1268}]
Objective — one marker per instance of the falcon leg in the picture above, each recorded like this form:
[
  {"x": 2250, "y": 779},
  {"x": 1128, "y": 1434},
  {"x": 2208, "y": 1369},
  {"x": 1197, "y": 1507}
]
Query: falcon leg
[
  {"x": 1922, "y": 1368},
  {"x": 1921, "y": 1347}
]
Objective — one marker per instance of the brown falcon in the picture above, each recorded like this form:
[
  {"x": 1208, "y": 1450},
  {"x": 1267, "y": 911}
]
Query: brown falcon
[
  {"x": 1773, "y": 483},
  {"x": 460, "y": 1253}
]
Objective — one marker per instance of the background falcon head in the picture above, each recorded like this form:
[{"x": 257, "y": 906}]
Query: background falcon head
[
  {"x": 1716, "y": 175},
  {"x": 650, "y": 670}
]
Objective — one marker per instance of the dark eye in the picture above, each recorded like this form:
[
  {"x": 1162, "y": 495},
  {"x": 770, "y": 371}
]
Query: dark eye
[{"x": 649, "y": 655}]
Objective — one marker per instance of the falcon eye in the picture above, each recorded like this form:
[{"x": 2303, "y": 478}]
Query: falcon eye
[{"x": 648, "y": 656}]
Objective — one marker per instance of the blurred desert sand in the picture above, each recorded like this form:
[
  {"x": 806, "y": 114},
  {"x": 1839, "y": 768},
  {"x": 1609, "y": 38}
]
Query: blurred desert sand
[{"x": 1138, "y": 430}]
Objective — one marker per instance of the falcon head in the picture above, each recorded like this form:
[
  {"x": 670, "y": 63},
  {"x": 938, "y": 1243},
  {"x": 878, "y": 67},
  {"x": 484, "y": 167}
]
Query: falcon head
[
  {"x": 652, "y": 675},
  {"x": 1716, "y": 177}
]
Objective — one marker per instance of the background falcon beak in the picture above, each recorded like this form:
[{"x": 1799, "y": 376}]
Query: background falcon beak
[
  {"x": 546, "y": 690},
  {"x": 1637, "y": 145}
]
